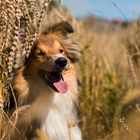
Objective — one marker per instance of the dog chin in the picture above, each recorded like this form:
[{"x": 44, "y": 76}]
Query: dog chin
[{"x": 54, "y": 80}]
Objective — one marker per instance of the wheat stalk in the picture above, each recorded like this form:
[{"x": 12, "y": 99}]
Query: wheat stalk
[
  {"x": 17, "y": 19},
  {"x": 12, "y": 55},
  {"x": 42, "y": 14},
  {"x": 131, "y": 65}
]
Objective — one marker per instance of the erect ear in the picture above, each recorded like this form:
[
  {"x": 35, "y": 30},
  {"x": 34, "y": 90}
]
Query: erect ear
[{"x": 63, "y": 27}]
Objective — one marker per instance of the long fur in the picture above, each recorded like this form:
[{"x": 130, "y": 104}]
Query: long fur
[{"x": 50, "y": 111}]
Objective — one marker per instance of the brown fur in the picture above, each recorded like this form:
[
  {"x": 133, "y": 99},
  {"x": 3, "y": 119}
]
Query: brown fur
[
  {"x": 31, "y": 88},
  {"x": 44, "y": 43}
]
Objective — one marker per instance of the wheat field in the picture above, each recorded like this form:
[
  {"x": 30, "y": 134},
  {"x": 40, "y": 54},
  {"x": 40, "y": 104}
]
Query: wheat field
[
  {"x": 108, "y": 70},
  {"x": 110, "y": 93}
]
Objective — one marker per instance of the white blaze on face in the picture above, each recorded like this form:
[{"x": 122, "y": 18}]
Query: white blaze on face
[
  {"x": 56, "y": 44},
  {"x": 57, "y": 55}
]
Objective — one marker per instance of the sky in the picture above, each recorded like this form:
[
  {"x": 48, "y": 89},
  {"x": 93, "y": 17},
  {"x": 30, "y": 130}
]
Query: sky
[{"x": 127, "y": 9}]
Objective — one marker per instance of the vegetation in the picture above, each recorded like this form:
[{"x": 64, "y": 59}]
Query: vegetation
[
  {"x": 109, "y": 80},
  {"x": 108, "y": 68},
  {"x": 20, "y": 23}
]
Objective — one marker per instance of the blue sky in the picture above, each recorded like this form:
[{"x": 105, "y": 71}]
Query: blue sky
[{"x": 104, "y": 8}]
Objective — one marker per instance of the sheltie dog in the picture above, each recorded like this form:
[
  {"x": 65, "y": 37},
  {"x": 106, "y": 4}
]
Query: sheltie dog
[{"x": 48, "y": 83}]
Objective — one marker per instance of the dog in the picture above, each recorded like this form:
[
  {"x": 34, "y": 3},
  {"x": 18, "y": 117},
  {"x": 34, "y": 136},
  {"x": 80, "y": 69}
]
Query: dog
[{"x": 48, "y": 83}]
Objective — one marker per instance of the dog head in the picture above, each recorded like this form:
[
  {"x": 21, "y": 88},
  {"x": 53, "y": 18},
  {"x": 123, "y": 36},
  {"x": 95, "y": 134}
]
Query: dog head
[{"x": 52, "y": 55}]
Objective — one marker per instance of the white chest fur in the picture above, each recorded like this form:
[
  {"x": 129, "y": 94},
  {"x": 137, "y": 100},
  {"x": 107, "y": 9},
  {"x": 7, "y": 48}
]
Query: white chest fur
[
  {"x": 58, "y": 116},
  {"x": 55, "y": 110}
]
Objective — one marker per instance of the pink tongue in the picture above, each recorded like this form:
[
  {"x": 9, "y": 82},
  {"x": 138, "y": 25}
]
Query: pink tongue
[{"x": 61, "y": 86}]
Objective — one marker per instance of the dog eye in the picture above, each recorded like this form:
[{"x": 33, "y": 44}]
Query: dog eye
[
  {"x": 61, "y": 50},
  {"x": 41, "y": 53}
]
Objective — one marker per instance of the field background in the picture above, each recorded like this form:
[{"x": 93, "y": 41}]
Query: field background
[{"x": 108, "y": 77}]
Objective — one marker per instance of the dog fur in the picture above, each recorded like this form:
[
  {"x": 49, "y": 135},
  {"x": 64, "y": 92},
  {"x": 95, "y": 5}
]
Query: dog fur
[{"x": 50, "y": 111}]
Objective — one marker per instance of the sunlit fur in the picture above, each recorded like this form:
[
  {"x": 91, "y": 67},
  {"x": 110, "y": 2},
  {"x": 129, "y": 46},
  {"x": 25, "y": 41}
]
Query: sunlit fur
[{"x": 52, "y": 110}]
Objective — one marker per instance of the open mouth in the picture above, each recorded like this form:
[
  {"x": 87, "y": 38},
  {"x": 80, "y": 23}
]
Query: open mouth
[{"x": 55, "y": 80}]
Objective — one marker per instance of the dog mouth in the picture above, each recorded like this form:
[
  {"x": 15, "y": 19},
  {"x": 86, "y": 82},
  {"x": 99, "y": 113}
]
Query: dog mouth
[{"x": 56, "y": 81}]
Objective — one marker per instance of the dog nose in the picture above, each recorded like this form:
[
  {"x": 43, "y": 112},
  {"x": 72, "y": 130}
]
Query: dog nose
[{"x": 61, "y": 62}]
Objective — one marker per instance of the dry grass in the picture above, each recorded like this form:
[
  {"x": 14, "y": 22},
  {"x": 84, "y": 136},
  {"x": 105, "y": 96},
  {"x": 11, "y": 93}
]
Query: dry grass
[
  {"x": 108, "y": 70},
  {"x": 109, "y": 78},
  {"x": 20, "y": 23}
]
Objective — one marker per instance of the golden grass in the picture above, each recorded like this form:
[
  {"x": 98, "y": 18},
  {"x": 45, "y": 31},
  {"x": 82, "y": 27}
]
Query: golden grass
[
  {"x": 108, "y": 72},
  {"x": 109, "y": 77},
  {"x": 19, "y": 28}
]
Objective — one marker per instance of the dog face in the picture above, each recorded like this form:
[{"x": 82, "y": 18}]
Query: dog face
[
  {"x": 50, "y": 60},
  {"x": 50, "y": 57}
]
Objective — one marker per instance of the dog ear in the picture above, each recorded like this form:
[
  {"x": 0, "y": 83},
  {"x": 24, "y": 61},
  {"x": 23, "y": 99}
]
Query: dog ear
[
  {"x": 63, "y": 27},
  {"x": 73, "y": 50}
]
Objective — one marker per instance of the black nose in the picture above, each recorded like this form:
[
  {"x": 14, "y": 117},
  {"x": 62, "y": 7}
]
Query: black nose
[{"x": 61, "y": 62}]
